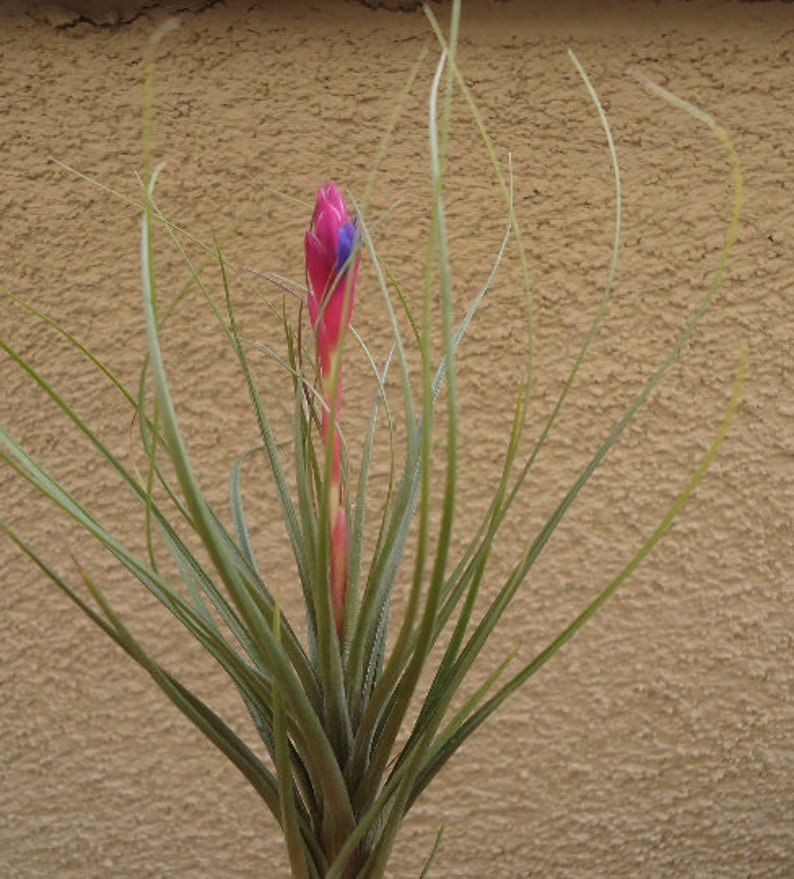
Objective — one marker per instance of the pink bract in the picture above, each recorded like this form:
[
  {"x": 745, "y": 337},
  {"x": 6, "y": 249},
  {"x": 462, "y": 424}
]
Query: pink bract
[{"x": 329, "y": 242}]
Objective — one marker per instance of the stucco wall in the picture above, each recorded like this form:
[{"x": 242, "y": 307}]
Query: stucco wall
[{"x": 658, "y": 743}]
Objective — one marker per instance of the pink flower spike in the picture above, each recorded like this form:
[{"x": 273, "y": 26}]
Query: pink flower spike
[
  {"x": 330, "y": 243},
  {"x": 331, "y": 270}
]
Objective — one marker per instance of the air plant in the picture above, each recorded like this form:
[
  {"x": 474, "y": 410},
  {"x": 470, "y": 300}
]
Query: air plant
[{"x": 339, "y": 750}]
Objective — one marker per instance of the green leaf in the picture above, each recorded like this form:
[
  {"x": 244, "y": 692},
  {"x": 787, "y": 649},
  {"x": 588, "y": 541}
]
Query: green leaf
[{"x": 458, "y": 732}]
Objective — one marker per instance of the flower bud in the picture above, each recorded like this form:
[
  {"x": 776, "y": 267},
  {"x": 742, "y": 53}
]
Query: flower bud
[{"x": 331, "y": 268}]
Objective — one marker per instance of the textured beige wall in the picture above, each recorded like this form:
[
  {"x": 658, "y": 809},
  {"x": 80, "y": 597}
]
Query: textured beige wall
[{"x": 660, "y": 742}]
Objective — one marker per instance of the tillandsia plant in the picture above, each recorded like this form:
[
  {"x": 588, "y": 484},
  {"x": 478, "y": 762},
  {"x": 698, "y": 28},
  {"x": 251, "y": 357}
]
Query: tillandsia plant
[{"x": 342, "y": 743}]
